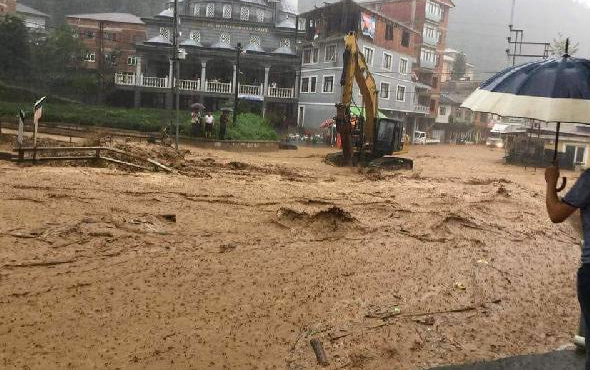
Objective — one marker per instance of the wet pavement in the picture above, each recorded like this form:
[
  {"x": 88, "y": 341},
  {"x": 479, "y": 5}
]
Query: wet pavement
[{"x": 558, "y": 360}]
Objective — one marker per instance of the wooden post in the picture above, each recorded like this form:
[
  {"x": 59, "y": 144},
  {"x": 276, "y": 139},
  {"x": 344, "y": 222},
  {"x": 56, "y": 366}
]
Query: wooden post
[{"x": 320, "y": 354}]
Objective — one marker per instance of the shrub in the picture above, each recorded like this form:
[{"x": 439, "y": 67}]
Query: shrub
[{"x": 251, "y": 127}]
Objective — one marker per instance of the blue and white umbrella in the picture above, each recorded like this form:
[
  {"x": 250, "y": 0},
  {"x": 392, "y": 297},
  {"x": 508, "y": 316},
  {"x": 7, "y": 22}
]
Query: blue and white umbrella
[{"x": 551, "y": 90}]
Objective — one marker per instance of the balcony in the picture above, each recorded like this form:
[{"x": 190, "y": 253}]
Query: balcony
[
  {"x": 432, "y": 15},
  {"x": 430, "y": 40},
  {"x": 428, "y": 64},
  {"x": 422, "y": 109},
  {"x": 209, "y": 86},
  {"x": 280, "y": 92}
]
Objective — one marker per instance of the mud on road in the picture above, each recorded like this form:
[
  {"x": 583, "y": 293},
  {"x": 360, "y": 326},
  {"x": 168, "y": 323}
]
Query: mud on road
[{"x": 241, "y": 259}]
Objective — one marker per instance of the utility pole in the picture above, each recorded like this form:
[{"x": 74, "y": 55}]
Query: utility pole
[
  {"x": 100, "y": 62},
  {"x": 176, "y": 71},
  {"x": 519, "y": 41},
  {"x": 236, "y": 88}
]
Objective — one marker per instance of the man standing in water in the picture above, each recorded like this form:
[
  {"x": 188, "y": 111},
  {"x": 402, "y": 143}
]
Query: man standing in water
[{"x": 559, "y": 210}]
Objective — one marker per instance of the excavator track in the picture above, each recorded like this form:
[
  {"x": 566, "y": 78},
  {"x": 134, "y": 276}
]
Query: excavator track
[{"x": 390, "y": 163}]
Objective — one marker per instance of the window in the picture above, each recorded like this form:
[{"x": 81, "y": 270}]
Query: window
[
  {"x": 435, "y": 82},
  {"x": 109, "y": 36},
  {"x": 225, "y": 38},
  {"x": 308, "y": 84},
  {"x": 405, "y": 39},
  {"x": 384, "y": 92},
  {"x": 195, "y": 36},
  {"x": 368, "y": 53},
  {"x": 131, "y": 60},
  {"x": 389, "y": 31},
  {"x": 210, "y": 10},
  {"x": 165, "y": 32},
  {"x": 285, "y": 43},
  {"x": 90, "y": 57},
  {"x": 330, "y": 53},
  {"x": 89, "y": 35},
  {"x": 401, "y": 93},
  {"x": 387, "y": 61},
  {"x": 227, "y": 11},
  {"x": 255, "y": 40},
  {"x": 260, "y": 15},
  {"x": 403, "y": 66},
  {"x": 328, "y": 84},
  {"x": 244, "y": 13},
  {"x": 310, "y": 55},
  {"x": 442, "y": 111},
  {"x": 197, "y": 10}
]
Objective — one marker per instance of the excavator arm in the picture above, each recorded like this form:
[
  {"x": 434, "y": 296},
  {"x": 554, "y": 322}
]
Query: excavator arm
[{"x": 355, "y": 69}]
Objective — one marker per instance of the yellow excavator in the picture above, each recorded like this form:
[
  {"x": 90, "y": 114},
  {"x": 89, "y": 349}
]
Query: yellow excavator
[{"x": 372, "y": 141}]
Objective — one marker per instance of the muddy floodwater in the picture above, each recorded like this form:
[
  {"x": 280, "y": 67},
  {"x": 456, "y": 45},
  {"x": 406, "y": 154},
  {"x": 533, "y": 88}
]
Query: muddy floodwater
[{"x": 238, "y": 261}]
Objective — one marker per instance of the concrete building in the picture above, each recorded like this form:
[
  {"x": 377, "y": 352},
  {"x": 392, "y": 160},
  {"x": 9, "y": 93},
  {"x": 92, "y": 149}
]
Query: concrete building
[
  {"x": 450, "y": 55},
  {"x": 210, "y": 31},
  {"x": 34, "y": 20},
  {"x": 7, "y": 7},
  {"x": 430, "y": 18},
  {"x": 388, "y": 47},
  {"x": 112, "y": 35}
]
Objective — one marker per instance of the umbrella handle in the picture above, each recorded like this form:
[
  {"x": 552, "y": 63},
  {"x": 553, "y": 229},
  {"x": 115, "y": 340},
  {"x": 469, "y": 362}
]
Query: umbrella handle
[{"x": 563, "y": 184}]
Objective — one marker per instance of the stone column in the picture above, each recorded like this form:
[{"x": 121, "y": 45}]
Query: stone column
[
  {"x": 266, "y": 77},
  {"x": 137, "y": 85},
  {"x": 297, "y": 78},
  {"x": 171, "y": 74},
  {"x": 203, "y": 76}
]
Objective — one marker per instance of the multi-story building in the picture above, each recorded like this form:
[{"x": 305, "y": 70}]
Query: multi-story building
[
  {"x": 112, "y": 35},
  {"x": 450, "y": 55},
  {"x": 430, "y": 18},
  {"x": 34, "y": 20},
  {"x": 210, "y": 31},
  {"x": 7, "y": 7},
  {"x": 388, "y": 47}
]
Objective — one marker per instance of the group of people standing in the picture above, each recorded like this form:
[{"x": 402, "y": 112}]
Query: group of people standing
[{"x": 205, "y": 123}]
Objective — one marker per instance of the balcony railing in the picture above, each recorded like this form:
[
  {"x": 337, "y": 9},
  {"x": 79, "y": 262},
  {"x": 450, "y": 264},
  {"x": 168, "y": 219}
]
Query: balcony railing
[
  {"x": 219, "y": 87},
  {"x": 126, "y": 79},
  {"x": 250, "y": 90},
  {"x": 281, "y": 92},
  {"x": 427, "y": 64},
  {"x": 155, "y": 82},
  {"x": 190, "y": 85},
  {"x": 430, "y": 40},
  {"x": 433, "y": 16},
  {"x": 422, "y": 109}
]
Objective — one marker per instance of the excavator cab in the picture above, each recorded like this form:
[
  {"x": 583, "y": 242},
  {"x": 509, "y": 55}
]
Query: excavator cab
[{"x": 390, "y": 137}]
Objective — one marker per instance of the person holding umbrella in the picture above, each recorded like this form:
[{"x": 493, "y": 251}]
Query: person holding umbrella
[{"x": 552, "y": 90}]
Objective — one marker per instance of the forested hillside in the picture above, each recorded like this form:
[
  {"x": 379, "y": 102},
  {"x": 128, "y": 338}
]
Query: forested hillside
[{"x": 60, "y": 8}]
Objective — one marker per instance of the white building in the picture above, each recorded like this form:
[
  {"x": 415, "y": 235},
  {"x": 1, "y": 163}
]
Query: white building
[{"x": 34, "y": 20}]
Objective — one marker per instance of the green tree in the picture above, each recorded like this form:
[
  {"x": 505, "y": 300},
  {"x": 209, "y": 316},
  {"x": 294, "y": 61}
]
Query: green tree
[
  {"x": 559, "y": 44},
  {"x": 459, "y": 67},
  {"x": 14, "y": 47}
]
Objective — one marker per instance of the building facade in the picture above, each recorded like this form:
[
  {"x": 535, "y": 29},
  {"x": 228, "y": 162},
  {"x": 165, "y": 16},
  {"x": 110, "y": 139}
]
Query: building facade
[
  {"x": 430, "y": 18},
  {"x": 110, "y": 35},
  {"x": 387, "y": 45},
  {"x": 210, "y": 31},
  {"x": 7, "y": 7},
  {"x": 34, "y": 20}
]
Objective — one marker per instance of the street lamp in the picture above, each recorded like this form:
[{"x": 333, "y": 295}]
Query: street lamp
[{"x": 236, "y": 88}]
